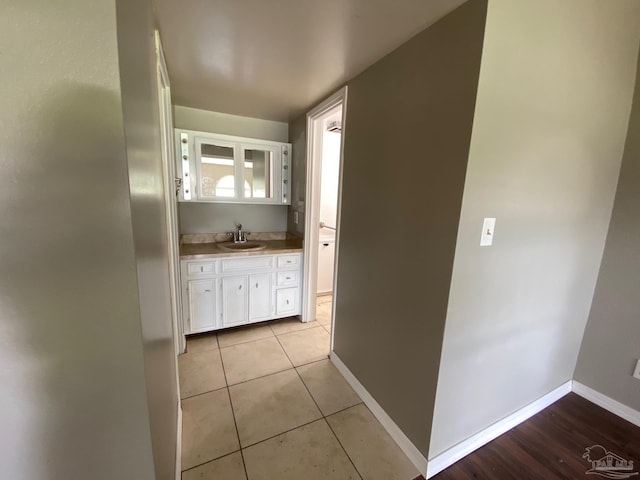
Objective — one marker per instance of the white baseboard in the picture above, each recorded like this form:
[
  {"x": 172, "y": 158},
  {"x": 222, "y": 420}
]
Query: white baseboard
[
  {"x": 607, "y": 403},
  {"x": 464, "y": 448},
  {"x": 389, "y": 425},
  {"x": 179, "y": 444}
]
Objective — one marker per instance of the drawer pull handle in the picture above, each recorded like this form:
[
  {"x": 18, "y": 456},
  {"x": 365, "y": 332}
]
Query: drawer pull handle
[
  {"x": 288, "y": 278},
  {"x": 287, "y": 302},
  {"x": 256, "y": 284},
  {"x": 239, "y": 287},
  {"x": 325, "y": 244},
  {"x": 207, "y": 290},
  {"x": 201, "y": 268}
]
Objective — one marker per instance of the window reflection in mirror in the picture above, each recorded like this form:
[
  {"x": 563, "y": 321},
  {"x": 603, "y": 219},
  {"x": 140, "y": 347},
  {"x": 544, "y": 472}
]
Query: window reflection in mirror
[
  {"x": 258, "y": 173},
  {"x": 217, "y": 174}
]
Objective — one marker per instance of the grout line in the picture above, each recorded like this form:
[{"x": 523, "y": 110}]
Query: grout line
[
  {"x": 203, "y": 393},
  {"x": 324, "y": 417},
  {"x": 233, "y": 414},
  {"x": 286, "y": 431},
  {"x": 249, "y": 341},
  {"x": 343, "y": 449},
  {"x": 212, "y": 460}
]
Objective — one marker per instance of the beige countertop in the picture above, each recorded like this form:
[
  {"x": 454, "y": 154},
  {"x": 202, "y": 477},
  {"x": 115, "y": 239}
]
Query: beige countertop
[{"x": 213, "y": 250}]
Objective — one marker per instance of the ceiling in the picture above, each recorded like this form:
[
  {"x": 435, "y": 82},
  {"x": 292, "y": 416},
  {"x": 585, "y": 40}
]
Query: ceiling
[{"x": 274, "y": 59}]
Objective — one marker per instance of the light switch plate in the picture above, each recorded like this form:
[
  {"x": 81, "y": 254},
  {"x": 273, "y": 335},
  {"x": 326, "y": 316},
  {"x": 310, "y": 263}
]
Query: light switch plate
[
  {"x": 488, "y": 230},
  {"x": 636, "y": 372}
]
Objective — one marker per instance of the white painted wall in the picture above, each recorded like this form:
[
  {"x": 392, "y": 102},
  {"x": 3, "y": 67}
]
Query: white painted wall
[
  {"x": 553, "y": 104},
  {"x": 219, "y": 217}
]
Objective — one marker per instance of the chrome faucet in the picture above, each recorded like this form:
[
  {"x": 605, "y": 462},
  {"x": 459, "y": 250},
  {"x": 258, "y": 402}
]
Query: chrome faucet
[{"x": 239, "y": 236}]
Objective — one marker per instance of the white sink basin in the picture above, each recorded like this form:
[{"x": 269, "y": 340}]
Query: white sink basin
[{"x": 242, "y": 247}]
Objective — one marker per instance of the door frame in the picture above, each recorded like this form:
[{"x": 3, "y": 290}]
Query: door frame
[
  {"x": 171, "y": 218},
  {"x": 169, "y": 174},
  {"x": 315, "y": 130}
]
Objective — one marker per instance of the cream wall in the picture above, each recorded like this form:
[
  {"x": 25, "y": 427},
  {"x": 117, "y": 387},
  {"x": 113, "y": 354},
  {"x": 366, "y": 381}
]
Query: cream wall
[
  {"x": 73, "y": 397},
  {"x": 219, "y": 217},
  {"x": 549, "y": 129}
]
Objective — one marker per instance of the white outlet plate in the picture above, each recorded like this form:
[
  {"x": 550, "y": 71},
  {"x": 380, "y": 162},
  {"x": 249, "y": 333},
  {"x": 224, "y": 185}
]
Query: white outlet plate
[
  {"x": 636, "y": 372},
  {"x": 488, "y": 229}
]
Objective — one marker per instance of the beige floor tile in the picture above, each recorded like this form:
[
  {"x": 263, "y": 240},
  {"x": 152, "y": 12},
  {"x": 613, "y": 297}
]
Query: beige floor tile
[
  {"x": 328, "y": 387},
  {"x": 271, "y": 405},
  {"x": 310, "y": 452},
  {"x": 243, "y": 335},
  {"x": 230, "y": 467},
  {"x": 200, "y": 372},
  {"x": 306, "y": 346},
  {"x": 287, "y": 325},
  {"x": 246, "y": 361},
  {"x": 198, "y": 343},
  {"x": 324, "y": 299},
  {"x": 208, "y": 429},
  {"x": 323, "y": 313},
  {"x": 372, "y": 450}
]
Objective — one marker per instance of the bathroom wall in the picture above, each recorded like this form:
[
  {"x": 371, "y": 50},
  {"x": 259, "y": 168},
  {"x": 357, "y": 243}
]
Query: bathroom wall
[
  {"x": 219, "y": 217},
  {"x": 329, "y": 181},
  {"x": 298, "y": 139},
  {"x": 73, "y": 401},
  {"x": 553, "y": 105},
  {"x": 408, "y": 128},
  {"x": 611, "y": 344}
]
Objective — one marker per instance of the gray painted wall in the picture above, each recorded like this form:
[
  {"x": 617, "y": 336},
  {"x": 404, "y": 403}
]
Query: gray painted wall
[
  {"x": 73, "y": 403},
  {"x": 611, "y": 343},
  {"x": 549, "y": 131},
  {"x": 409, "y": 120},
  {"x": 142, "y": 136},
  {"x": 220, "y": 217},
  {"x": 298, "y": 136}
]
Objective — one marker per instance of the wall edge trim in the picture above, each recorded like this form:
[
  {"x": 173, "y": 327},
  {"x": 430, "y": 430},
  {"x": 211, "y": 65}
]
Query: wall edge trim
[
  {"x": 406, "y": 445},
  {"x": 608, "y": 403},
  {"x": 464, "y": 448},
  {"x": 179, "y": 443}
]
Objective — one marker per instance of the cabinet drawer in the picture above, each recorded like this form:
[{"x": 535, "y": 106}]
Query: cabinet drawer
[
  {"x": 287, "y": 301},
  {"x": 195, "y": 269},
  {"x": 247, "y": 263},
  {"x": 289, "y": 261},
  {"x": 287, "y": 278}
]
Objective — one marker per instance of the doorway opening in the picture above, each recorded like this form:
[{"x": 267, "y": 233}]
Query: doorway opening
[{"x": 325, "y": 139}]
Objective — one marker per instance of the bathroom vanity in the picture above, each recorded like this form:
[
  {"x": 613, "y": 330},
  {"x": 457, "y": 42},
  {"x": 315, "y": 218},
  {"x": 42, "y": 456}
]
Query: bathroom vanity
[{"x": 222, "y": 289}]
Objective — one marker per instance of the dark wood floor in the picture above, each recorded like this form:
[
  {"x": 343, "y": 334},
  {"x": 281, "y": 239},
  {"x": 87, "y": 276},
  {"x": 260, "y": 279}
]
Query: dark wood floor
[{"x": 550, "y": 445}]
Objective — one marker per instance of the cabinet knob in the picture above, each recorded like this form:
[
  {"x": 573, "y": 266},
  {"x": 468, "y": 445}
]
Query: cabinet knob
[
  {"x": 256, "y": 284},
  {"x": 287, "y": 302},
  {"x": 239, "y": 287}
]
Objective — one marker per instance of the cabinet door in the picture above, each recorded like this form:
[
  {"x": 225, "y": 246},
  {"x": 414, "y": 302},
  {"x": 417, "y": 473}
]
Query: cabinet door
[
  {"x": 234, "y": 300},
  {"x": 216, "y": 167},
  {"x": 260, "y": 177},
  {"x": 259, "y": 297},
  {"x": 202, "y": 305},
  {"x": 287, "y": 302}
]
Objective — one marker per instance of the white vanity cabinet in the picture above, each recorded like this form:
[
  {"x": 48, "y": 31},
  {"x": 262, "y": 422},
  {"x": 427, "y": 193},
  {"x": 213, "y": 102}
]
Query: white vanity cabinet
[
  {"x": 229, "y": 291},
  {"x": 229, "y": 169}
]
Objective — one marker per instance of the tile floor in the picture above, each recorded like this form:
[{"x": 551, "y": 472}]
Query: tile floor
[{"x": 264, "y": 402}]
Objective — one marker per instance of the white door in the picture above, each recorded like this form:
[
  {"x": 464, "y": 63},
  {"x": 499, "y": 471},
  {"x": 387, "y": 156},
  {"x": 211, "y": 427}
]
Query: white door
[
  {"x": 326, "y": 254},
  {"x": 260, "y": 297},
  {"x": 234, "y": 300},
  {"x": 202, "y": 304}
]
